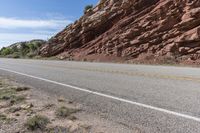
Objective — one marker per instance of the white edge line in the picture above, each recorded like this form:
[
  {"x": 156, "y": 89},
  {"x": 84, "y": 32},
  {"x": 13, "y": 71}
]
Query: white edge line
[{"x": 110, "y": 97}]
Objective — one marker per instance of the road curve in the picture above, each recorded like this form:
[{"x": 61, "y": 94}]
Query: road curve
[{"x": 147, "y": 98}]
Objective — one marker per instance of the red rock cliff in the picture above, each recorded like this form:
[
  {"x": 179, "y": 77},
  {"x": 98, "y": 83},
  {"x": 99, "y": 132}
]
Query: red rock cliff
[{"x": 131, "y": 30}]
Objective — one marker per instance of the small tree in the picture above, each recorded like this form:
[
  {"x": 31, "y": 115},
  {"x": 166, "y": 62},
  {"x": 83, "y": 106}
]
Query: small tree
[
  {"x": 15, "y": 49},
  {"x": 32, "y": 47},
  {"x": 6, "y": 51},
  {"x": 24, "y": 49},
  {"x": 1, "y": 50},
  {"x": 87, "y": 8}
]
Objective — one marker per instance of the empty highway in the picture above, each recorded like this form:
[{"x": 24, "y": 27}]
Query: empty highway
[{"x": 153, "y": 99}]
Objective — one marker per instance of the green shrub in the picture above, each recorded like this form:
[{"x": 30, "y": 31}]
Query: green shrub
[
  {"x": 16, "y": 99},
  {"x": 3, "y": 117},
  {"x": 6, "y": 51},
  {"x": 37, "y": 122},
  {"x": 9, "y": 94},
  {"x": 32, "y": 47},
  {"x": 6, "y": 120},
  {"x": 15, "y": 49},
  {"x": 21, "y": 88},
  {"x": 16, "y": 55},
  {"x": 31, "y": 55},
  {"x": 58, "y": 129},
  {"x": 65, "y": 112},
  {"x": 24, "y": 49},
  {"x": 87, "y": 8}
]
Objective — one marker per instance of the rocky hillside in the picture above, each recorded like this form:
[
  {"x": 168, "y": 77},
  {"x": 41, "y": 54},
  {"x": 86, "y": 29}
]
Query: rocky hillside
[{"x": 132, "y": 30}]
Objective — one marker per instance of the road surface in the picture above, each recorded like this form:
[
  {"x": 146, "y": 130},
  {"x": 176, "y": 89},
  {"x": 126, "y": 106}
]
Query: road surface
[{"x": 147, "y": 98}]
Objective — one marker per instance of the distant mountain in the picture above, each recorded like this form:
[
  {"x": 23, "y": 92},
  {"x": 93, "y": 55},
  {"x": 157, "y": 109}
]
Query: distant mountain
[{"x": 146, "y": 31}]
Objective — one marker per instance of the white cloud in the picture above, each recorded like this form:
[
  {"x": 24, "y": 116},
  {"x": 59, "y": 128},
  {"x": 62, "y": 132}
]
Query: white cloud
[
  {"x": 17, "y": 36},
  {"x": 14, "y": 30},
  {"x": 13, "y": 23}
]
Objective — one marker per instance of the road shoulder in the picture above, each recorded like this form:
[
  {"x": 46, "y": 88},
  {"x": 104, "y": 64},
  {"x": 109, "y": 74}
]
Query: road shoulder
[{"x": 22, "y": 106}]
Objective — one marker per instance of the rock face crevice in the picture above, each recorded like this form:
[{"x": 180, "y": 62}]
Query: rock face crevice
[{"x": 132, "y": 30}]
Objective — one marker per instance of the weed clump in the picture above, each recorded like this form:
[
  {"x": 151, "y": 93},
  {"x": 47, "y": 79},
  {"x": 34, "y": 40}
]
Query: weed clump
[
  {"x": 6, "y": 93},
  {"x": 14, "y": 109},
  {"x": 9, "y": 94},
  {"x": 5, "y": 119},
  {"x": 65, "y": 112},
  {"x": 2, "y": 117},
  {"x": 58, "y": 129},
  {"x": 19, "y": 89},
  {"x": 37, "y": 122},
  {"x": 16, "y": 99}
]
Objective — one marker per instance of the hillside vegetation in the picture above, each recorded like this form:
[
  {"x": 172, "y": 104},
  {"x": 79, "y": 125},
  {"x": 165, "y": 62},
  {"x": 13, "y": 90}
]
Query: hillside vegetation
[{"x": 22, "y": 49}]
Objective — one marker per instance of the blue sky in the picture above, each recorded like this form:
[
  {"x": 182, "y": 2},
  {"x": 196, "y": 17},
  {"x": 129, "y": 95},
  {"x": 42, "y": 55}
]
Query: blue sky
[{"x": 22, "y": 20}]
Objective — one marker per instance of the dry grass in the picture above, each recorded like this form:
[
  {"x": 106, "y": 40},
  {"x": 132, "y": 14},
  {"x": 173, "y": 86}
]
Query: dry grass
[
  {"x": 26, "y": 110},
  {"x": 37, "y": 123},
  {"x": 5, "y": 119},
  {"x": 10, "y": 94},
  {"x": 64, "y": 112}
]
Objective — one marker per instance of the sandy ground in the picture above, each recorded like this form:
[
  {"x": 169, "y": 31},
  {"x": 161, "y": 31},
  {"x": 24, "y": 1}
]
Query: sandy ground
[{"x": 14, "y": 116}]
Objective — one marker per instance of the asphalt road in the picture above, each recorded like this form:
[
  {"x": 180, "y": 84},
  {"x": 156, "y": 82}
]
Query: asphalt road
[{"x": 150, "y": 99}]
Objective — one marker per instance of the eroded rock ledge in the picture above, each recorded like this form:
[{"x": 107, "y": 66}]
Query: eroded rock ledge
[{"x": 132, "y": 30}]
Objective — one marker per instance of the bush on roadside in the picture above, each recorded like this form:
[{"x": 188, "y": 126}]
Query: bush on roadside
[
  {"x": 6, "y": 120},
  {"x": 21, "y": 88},
  {"x": 31, "y": 55},
  {"x": 37, "y": 122},
  {"x": 16, "y": 55},
  {"x": 9, "y": 94},
  {"x": 3, "y": 117},
  {"x": 65, "y": 112}
]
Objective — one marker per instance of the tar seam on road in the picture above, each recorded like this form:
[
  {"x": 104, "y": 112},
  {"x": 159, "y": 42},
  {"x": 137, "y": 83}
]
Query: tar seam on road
[{"x": 110, "y": 97}]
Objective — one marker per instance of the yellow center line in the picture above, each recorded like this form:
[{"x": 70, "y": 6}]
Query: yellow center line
[
  {"x": 150, "y": 75},
  {"x": 128, "y": 73}
]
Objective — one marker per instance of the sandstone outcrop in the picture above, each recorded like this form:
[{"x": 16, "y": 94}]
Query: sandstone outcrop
[{"x": 132, "y": 30}]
